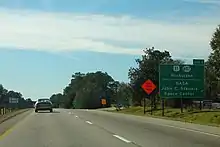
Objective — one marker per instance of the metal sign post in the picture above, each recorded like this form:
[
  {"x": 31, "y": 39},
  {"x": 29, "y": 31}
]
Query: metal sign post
[
  {"x": 181, "y": 101},
  {"x": 162, "y": 107},
  {"x": 151, "y": 105},
  {"x": 148, "y": 87}
]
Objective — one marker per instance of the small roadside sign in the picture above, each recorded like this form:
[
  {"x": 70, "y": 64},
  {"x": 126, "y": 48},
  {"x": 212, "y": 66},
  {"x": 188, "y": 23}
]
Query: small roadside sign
[
  {"x": 103, "y": 101},
  {"x": 198, "y": 61},
  {"x": 13, "y": 100},
  {"x": 148, "y": 87}
]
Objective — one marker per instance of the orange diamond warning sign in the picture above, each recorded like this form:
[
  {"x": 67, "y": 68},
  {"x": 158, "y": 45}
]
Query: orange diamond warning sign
[{"x": 148, "y": 86}]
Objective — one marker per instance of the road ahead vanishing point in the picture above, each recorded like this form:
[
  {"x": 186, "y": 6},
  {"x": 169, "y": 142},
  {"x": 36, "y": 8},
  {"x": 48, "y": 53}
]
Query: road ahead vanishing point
[{"x": 93, "y": 128}]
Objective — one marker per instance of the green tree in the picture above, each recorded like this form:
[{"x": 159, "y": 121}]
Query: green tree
[
  {"x": 69, "y": 92},
  {"x": 14, "y": 94},
  {"x": 213, "y": 66},
  {"x": 86, "y": 90},
  {"x": 124, "y": 94},
  {"x": 113, "y": 89},
  {"x": 148, "y": 68},
  {"x": 29, "y": 103},
  {"x": 57, "y": 100},
  {"x": 3, "y": 94}
]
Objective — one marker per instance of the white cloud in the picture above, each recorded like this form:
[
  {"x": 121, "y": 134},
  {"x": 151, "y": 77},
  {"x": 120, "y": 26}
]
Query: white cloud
[
  {"x": 65, "y": 32},
  {"x": 216, "y": 2}
]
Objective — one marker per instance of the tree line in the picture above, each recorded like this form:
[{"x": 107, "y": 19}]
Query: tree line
[
  {"x": 5, "y": 96},
  {"x": 86, "y": 90}
]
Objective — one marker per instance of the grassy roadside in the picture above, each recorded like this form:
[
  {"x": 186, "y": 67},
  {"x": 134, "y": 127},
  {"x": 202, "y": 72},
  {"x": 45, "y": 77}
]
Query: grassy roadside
[
  {"x": 11, "y": 114},
  {"x": 205, "y": 117}
]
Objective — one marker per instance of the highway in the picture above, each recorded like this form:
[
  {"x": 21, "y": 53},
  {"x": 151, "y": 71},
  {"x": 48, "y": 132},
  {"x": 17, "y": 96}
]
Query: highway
[{"x": 93, "y": 128}]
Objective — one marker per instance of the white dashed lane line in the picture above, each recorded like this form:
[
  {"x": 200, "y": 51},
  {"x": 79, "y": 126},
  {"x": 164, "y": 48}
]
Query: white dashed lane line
[
  {"x": 122, "y": 138},
  {"x": 88, "y": 122},
  {"x": 116, "y": 136}
]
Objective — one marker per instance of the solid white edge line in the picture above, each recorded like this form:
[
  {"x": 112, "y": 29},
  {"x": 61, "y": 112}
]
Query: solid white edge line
[
  {"x": 122, "y": 138},
  {"x": 89, "y": 122},
  {"x": 191, "y": 130}
]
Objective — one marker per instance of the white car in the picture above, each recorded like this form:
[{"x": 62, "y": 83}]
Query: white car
[{"x": 43, "y": 104}]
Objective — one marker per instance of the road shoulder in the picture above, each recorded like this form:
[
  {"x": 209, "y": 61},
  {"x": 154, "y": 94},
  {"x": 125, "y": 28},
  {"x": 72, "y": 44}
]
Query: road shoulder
[
  {"x": 173, "y": 124},
  {"x": 9, "y": 121}
]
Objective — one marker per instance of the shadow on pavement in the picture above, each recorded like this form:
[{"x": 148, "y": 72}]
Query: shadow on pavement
[
  {"x": 48, "y": 112},
  {"x": 205, "y": 111}
]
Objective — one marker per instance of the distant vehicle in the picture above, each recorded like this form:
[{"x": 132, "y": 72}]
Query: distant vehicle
[{"x": 43, "y": 104}]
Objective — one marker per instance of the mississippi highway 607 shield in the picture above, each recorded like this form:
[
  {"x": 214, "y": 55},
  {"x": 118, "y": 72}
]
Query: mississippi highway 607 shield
[{"x": 181, "y": 81}]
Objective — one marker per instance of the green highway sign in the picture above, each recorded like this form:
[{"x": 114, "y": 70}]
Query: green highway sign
[{"x": 181, "y": 81}]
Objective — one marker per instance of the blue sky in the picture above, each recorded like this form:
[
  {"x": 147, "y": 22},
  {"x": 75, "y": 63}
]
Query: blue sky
[{"x": 42, "y": 42}]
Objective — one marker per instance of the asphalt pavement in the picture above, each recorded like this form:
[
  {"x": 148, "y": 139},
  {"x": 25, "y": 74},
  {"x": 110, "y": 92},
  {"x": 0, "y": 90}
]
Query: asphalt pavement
[{"x": 92, "y": 128}]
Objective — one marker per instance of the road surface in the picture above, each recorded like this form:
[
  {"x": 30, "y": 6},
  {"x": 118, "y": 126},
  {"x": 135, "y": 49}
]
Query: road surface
[{"x": 90, "y": 128}]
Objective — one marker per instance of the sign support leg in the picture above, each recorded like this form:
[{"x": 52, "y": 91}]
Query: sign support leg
[
  {"x": 144, "y": 106},
  {"x": 162, "y": 107},
  {"x": 200, "y": 105},
  {"x": 181, "y": 105},
  {"x": 151, "y": 105}
]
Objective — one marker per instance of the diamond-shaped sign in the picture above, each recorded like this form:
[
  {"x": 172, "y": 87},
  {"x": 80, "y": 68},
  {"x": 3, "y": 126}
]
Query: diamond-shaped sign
[{"x": 148, "y": 86}]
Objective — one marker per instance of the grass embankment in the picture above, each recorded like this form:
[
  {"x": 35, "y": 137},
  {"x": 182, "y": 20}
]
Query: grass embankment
[
  {"x": 11, "y": 114},
  {"x": 205, "y": 117}
]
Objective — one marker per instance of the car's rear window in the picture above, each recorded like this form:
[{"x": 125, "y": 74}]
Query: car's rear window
[{"x": 43, "y": 100}]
